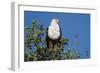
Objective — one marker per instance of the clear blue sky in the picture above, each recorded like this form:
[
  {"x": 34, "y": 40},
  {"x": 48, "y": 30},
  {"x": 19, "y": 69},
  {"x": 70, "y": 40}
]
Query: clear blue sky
[{"x": 72, "y": 24}]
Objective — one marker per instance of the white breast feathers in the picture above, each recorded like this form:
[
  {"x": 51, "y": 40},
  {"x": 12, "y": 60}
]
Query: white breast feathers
[{"x": 54, "y": 31}]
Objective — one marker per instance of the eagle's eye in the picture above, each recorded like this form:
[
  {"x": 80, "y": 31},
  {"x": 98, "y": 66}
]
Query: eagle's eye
[{"x": 57, "y": 20}]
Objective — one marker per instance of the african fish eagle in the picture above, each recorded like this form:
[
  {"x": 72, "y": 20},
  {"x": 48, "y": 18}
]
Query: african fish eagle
[{"x": 54, "y": 34}]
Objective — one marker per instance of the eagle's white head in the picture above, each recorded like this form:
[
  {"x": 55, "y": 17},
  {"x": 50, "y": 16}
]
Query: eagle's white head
[
  {"x": 54, "y": 29},
  {"x": 55, "y": 22}
]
